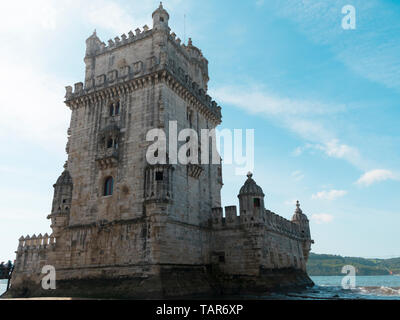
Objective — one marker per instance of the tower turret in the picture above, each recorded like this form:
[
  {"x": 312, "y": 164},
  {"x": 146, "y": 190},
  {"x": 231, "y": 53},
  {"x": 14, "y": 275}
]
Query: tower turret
[
  {"x": 61, "y": 202},
  {"x": 160, "y": 18},
  {"x": 251, "y": 200},
  {"x": 301, "y": 219},
  {"x": 93, "y": 44}
]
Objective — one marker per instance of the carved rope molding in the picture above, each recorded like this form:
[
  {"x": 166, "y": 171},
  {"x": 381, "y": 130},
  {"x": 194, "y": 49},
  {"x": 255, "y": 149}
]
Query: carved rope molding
[{"x": 165, "y": 76}]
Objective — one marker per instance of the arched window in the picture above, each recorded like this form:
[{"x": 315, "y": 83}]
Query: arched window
[
  {"x": 108, "y": 186},
  {"x": 114, "y": 109}
]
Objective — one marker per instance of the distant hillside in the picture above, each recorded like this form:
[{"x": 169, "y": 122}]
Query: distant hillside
[{"x": 331, "y": 265}]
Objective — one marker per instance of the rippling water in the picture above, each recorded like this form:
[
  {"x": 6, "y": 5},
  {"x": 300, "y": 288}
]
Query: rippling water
[
  {"x": 367, "y": 287},
  {"x": 329, "y": 287}
]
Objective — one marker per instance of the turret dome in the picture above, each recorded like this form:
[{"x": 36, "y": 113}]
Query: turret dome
[
  {"x": 298, "y": 214},
  {"x": 160, "y": 11},
  {"x": 250, "y": 187},
  {"x": 64, "y": 179}
]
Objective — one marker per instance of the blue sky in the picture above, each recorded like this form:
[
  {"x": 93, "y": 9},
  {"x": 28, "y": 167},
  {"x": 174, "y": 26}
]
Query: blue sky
[{"x": 324, "y": 103}]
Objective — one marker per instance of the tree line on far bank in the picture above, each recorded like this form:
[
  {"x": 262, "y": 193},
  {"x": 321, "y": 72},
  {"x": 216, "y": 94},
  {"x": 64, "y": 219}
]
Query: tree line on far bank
[{"x": 331, "y": 265}]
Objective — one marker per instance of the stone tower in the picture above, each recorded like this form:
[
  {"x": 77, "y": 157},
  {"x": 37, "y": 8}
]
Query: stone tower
[{"x": 127, "y": 227}]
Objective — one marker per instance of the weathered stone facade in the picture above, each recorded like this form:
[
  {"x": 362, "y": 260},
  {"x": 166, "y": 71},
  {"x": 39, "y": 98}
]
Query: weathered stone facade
[{"x": 124, "y": 228}]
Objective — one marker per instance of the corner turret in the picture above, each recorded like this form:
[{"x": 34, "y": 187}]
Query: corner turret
[
  {"x": 251, "y": 200},
  {"x": 160, "y": 19},
  {"x": 93, "y": 44},
  {"x": 61, "y": 202},
  {"x": 301, "y": 219}
]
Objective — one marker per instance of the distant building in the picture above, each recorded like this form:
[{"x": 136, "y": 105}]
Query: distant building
[{"x": 124, "y": 228}]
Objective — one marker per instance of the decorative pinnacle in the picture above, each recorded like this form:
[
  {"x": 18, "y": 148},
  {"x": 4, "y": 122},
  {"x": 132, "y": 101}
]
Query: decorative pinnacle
[
  {"x": 298, "y": 204},
  {"x": 249, "y": 175},
  {"x": 190, "y": 42},
  {"x": 161, "y": 6}
]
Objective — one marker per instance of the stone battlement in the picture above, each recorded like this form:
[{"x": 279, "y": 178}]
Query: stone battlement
[
  {"x": 36, "y": 242},
  {"x": 270, "y": 220},
  {"x": 189, "y": 51}
]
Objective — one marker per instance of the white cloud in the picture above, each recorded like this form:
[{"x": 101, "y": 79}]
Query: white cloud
[
  {"x": 329, "y": 195},
  {"x": 376, "y": 175},
  {"x": 259, "y": 100},
  {"x": 322, "y": 218},
  {"x": 335, "y": 149},
  {"x": 306, "y": 118}
]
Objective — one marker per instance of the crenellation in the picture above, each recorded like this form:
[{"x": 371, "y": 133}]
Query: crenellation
[
  {"x": 35, "y": 242},
  {"x": 232, "y": 219}
]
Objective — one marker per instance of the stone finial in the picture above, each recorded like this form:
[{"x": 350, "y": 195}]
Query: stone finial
[
  {"x": 124, "y": 37},
  {"x": 249, "y": 175},
  {"x": 190, "y": 43},
  {"x": 110, "y": 43},
  {"x": 145, "y": 27},
  {"x": 130, "y": 34},
  {"x": 137, "y": 30}
]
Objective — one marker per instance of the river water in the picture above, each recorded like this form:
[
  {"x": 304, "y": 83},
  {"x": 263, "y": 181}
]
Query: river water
[{"x": 329, "y": 287}]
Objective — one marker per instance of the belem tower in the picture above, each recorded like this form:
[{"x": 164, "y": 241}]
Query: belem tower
[{"x": 124, "y": 228}]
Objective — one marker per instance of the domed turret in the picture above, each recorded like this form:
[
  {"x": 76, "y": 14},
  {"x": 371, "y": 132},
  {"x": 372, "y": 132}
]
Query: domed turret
[
  {"x": 298, "y": 214},
  {"x": 64, "y": 179},
  {"x": 250, "y": 187},
  {"x": 61, "y": 202},
  {"x": 251, "y": 200},
  {"x": 301, "y": 219},
  {"x": 160, "y": 18},
  {"x": 93, "y": 44}
]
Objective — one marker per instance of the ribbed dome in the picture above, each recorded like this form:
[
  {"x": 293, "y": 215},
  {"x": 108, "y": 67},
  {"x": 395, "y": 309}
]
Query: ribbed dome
[
  {"x": 250, "y": 187},
  {"x": 298, "y": 214},
  {"x": 64, "y": 179}
]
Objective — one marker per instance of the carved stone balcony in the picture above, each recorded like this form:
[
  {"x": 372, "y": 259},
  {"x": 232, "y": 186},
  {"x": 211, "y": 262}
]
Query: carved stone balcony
[{"x": 107, "y": 158}]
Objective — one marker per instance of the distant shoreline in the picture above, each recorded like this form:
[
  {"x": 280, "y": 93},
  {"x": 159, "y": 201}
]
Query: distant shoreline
[{"x": 331, "y": 265}]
